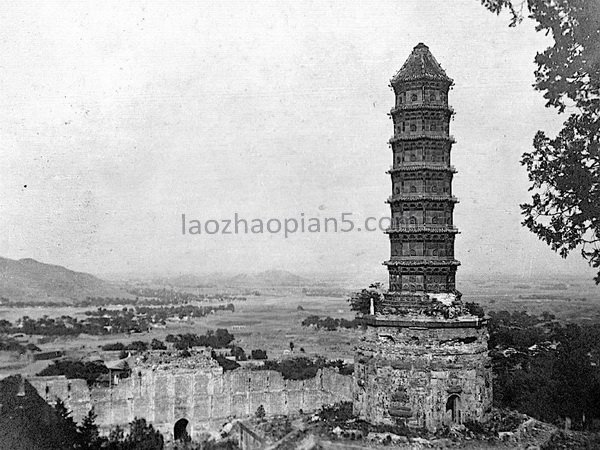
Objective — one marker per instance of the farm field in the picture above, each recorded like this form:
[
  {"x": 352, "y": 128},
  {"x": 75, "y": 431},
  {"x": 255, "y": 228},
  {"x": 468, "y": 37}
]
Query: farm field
[
  {"x": 272, "y": 320},
  {"x": 572, "y": 300},
  {"x": 263, "y": 322}
]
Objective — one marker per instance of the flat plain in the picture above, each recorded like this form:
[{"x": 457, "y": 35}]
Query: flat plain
[{"x": 272, "y": 320}]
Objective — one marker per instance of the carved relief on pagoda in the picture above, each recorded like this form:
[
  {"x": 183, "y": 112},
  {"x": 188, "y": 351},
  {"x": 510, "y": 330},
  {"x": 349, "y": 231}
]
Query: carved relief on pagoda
[
  {"x": 418, "y": 95},
  {"x": 429, "y": 246},
  {"x": 421, "y": 93},
  {"x": 420, "y": 280},
  {"x": 426, "y": 151},
  {"x": 434, "y": 214},
  {"x": 422, "y": 123},
  {"x": 422, "y": 182}
]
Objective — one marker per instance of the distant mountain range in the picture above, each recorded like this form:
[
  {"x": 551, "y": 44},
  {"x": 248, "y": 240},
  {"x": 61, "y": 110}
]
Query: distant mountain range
[
  {"x": 28, "y": 279},
  {"x": 268, "y": 278},
  {"x": 31, "y": 280}
]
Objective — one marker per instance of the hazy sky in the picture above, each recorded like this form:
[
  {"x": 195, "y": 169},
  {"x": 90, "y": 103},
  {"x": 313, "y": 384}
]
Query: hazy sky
[{"x": 118, "y": 119}]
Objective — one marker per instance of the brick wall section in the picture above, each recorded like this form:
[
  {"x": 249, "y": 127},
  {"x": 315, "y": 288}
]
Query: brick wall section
[{"x": 207, "y": 398}]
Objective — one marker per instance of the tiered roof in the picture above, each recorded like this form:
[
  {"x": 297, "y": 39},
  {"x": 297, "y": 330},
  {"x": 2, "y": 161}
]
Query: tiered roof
[{"x": 421, "y": 65}]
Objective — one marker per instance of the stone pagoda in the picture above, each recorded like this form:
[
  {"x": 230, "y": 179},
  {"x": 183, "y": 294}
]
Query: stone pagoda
[{"x": 423, "y": 358}]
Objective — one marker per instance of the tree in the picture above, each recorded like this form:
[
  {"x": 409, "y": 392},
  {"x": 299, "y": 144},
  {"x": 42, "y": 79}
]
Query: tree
[
  {"x": 260, "y": 412},
  {"x": 143, "y": 436},
  {"x": 157, "y": 345},
  {"x": 5, "y": 326},
  {"x": 258, "y": 354},
  {"x": 475, "y": 309},
  {"x": 89, "y": 436},
  {"x": 222, "y": 338},
  {"x": 116, "y": 438},
  {"x": 361, "y": 301},
  {"x": 67, "y": 428},
  {"x": 564, "y": 171},
  {"x": 89, "y": 371},
  {"x": 239, "y": 353},
  {"x": 225, "y": 363},
  {"x": 117, "y": 346},
  {"x": 137, "y": 346},
  {"x": 300, "y": 368}
]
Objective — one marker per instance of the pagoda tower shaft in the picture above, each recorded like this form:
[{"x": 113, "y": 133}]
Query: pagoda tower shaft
[
  {"x": 422, "y": 360},
  {"x": 422, "y": 205}
]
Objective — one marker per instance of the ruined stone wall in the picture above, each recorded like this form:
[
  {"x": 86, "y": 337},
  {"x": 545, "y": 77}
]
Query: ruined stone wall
[
  {"x": 424, "y": 377},
  {"x": 207, "y": 398},
  {"x": 75, "y": 393}
]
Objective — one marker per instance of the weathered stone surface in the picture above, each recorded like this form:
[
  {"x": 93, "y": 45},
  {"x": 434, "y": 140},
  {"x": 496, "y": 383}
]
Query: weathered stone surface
[
  {"x": 205, "y": 396},
  {"x": 428, "y": 372}
]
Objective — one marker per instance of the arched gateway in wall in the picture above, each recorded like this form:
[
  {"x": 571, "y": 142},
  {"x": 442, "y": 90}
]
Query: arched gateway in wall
[
  {"x": 453, "y": 409},
  {"x": 180, "y": 430}
]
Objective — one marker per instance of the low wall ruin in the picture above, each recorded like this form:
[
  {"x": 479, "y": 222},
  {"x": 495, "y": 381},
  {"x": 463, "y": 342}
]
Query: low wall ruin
[{"x": 207, "y": 398}]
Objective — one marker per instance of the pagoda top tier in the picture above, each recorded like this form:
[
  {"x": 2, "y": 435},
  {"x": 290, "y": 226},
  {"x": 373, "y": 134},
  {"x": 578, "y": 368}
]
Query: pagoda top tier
[{"x": 421, "y": 65}]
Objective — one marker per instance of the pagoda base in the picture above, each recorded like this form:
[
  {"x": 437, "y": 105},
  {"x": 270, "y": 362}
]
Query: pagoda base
[{"x": 422, "y": 371}]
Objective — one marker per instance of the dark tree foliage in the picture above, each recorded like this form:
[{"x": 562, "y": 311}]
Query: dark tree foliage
[
  {"x": 89, "y": 371},
  {"x": 117, "y": 346},
  {"x": 343, "y": 368},
  {"x": 260, "y": 412},
  {"x": 239, "y": 353},
  {"x": 303, "y": 368},
  {"x": 361, "y": 301},
  {"x": 29, "y": 422},
  {"x": 89, "y": 435},
  {"x": 475, "y": 309},
  {"x": 258, "y": 354},
  {"x": 115, "y": 438},
  {"x": 519, "y": 329},
  {"x": 66, "y": 426},
  {"x": 185, "y": 353},
  {"x": 157, "y": 344},
  {"x": 544, "y": 369},
  {"x": 225, "y": 363},
  {"x": 220, "y": 338},
  {"x": 137, "y": 346},
  {"x": 219, "y": 445},
  {"x": 142, "y": 435},
  {"x": 106, "y": 321},
  {"x": 5, "y": 326},
  {"x": 328, "y": 323},
  {"x": 336, "y": 414},
  {"x": 564, "y": 171},
  {"x": 10, "y": 345}
]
